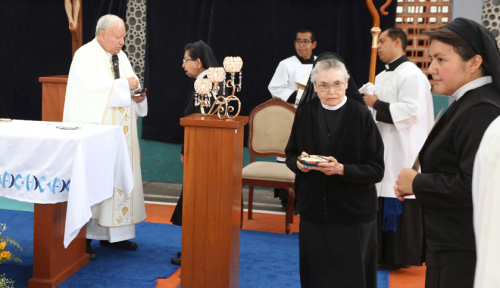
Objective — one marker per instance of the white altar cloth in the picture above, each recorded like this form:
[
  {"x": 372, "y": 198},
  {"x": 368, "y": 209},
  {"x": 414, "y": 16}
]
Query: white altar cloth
[{"x": 42, "y": 162}]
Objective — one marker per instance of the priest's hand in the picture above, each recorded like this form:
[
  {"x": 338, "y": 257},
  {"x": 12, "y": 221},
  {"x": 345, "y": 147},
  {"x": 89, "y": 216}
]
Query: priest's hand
[
  {"x": 133, "y": 83},
  {"x": 301, "y": 166},
  {"x": 139, "y": 99},
  {"x": 331, "y": 167},
  {"x": 404, "y": 183},
  {"x": 370, "y": 99}
]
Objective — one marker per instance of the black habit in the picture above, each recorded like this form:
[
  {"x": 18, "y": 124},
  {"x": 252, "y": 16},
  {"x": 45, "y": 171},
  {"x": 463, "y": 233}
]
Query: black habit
[
  {"x": 444, "y": 188},
  {"x": 205, "y": 54},
  {"x": 338, "y": 228}
]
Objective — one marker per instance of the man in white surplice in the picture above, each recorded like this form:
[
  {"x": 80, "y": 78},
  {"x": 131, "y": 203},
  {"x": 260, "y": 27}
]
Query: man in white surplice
[
  {"x": 402, "y": 106},
  {"x": 283, "y": 84},
  {"x": 93, "y": 95}
]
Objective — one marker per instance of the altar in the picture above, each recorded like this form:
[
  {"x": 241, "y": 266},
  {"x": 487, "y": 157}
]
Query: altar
[{"x": 64, "y": 168}]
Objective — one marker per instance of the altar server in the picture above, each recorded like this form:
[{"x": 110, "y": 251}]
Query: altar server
[
  {"x": 403, "y": 109},
  {"x": 99, "y": 91},
  {"x": 465, "y": 65},
  {"x": 289, "y": 70},
  {"x": 337, "y": 200}
]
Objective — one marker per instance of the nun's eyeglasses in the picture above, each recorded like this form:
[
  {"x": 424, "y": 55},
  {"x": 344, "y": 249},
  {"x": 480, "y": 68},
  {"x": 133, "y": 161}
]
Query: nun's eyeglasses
[
  {"x": 186, "y": 60},
  {"x": 323, "y": 87}
]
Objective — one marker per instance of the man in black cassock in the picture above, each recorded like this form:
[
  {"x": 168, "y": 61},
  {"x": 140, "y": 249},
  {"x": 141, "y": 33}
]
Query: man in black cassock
[
  {"x": 337, "y": 199},
  {"x": 404, "y": 111},
  {"x": 198, "y": 57}
]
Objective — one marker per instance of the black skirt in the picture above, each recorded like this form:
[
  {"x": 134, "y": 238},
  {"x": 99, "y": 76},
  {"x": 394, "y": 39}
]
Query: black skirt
[
  {"x": 333, "y": 255},
  {"x": 403, "y": 247},
  {"x": 177, "y": 215},
  {"x": 457, "y": 274}
]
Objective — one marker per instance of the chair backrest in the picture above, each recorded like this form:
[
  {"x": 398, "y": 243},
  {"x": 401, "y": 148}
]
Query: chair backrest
[{"x": 270, "y": 125}]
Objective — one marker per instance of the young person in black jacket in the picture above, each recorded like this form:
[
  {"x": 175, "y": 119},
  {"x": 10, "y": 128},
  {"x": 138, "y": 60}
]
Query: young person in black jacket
[{"x": 466, "y": 66}]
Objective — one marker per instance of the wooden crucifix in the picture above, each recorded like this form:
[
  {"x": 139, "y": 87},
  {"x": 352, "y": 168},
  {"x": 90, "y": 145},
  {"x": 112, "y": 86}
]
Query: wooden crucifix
[{"x": 74, "y": 13}]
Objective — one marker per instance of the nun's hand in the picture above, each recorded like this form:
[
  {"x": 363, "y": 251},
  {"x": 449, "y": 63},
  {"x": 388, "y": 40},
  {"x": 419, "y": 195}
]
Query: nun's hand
[
  {"x": 404, "y": 184},
  {"x": 301, "y": 166},
  {"x": 331, "y": 167}
]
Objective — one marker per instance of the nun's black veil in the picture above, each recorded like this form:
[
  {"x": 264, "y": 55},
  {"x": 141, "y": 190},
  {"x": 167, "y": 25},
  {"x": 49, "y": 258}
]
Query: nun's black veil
[
  {"x": 204, "y": 52},
  {"x": 352, "y": 89},
  {"x": 482, "y": 41}
]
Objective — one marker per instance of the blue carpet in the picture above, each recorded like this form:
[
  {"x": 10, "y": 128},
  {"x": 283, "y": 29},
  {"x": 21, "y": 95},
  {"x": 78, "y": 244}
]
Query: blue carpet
[
  {"x": 140, "y": 268},
  {"x": 266, "y": 259}
]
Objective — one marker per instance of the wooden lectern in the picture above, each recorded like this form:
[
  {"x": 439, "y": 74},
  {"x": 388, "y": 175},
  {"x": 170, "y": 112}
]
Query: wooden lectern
[
  {"x": 213, "y": 162},
  {"x": 52, "y": 263},
  {"x": 53, "y": 94}
]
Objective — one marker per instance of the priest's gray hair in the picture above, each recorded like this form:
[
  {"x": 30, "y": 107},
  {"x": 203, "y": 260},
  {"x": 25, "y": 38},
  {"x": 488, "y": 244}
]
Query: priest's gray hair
[
  {"x": 328, "y": 64},
  {"x": 106, "y": 22}
]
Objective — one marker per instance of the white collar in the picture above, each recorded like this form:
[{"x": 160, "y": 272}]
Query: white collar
[
  {"x": 202, "y": 74},
  {"x": 469, "y": 86},
  {"x": 387, "y": 64},
  {"x": 336, "y": 107}
]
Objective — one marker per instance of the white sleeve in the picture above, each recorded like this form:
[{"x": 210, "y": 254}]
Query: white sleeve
[
  {"x": 279, "y": 84},
  {"x": 120, "y": 95},
  {"x": 411, "y": 98},
  {"x": 485, "y": 200},
  {"x": 141, "y": 109}
]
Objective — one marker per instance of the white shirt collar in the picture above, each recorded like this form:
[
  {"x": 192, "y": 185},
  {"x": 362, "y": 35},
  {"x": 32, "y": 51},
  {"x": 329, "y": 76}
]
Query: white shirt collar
[
  {"x": 469, "y": 86},
  {"x": 336, "y": 107},
  {"x": 202, "y": 74}
]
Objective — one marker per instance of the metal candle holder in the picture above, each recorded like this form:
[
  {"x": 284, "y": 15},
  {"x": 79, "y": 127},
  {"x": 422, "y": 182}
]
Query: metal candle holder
[{"x": 207, "y": 89}]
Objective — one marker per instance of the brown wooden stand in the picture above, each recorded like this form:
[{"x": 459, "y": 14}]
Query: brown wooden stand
[
  {"x": 213, "y": 162},
  {"x": 53, "y": 95},
  {"x": 52, "y": 264}
]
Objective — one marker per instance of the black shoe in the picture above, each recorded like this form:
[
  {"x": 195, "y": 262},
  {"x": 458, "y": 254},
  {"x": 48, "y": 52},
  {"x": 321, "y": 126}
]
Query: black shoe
[
  {"x": 176, "y": 260},
  {"x": 179, "y": 254},
  {"x": 405, "y": 266},
  {"x": 122, "y": 245},
  {"x": 90, "y": 251}
]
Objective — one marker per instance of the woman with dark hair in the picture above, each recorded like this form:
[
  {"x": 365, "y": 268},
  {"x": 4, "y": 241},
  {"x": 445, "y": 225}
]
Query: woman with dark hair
[
  {"x": 337, "y": 199},
  {"x": 465, "y": 66},
  {"x": 198, "y": 57}
]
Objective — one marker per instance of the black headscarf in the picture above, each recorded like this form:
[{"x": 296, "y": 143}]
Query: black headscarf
[
  {"x": 352, "y": 89},
  {"x": 482, "y": 41},
  {"x": 204, "y": 52}
]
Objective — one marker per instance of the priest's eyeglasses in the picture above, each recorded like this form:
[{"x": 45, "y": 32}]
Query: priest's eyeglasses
[
  {"x": 338, "y": 86},
  {"x": 186, "y": 60},
  {"x": 305, "y": 42}
]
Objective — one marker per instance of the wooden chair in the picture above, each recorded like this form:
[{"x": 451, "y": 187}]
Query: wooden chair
[{"x": 270, "y": 125}]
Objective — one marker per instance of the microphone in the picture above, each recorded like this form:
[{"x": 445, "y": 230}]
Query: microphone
[{"x": 114, "y": 60}]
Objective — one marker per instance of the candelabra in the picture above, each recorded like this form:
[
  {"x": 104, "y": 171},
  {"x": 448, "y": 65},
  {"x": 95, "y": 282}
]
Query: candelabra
[{"x": 207, "y": 89}]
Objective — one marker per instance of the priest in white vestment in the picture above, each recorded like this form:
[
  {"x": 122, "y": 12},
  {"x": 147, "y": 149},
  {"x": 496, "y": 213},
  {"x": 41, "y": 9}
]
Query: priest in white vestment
[
  {"x": 402, "y": 106},
  {"x": 99, "y": 89},
  {"x": 486, "y": 208}
]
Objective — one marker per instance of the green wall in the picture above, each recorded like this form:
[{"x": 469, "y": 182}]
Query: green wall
[{"x": 161, "y": 161}]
